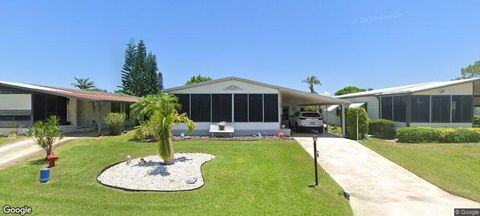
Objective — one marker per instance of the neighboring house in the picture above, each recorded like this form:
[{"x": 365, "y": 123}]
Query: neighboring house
[
  {"x": 22, "y": 104},
  {"x": 431, "y": 104},
  {"x": 251, "y": 107}
]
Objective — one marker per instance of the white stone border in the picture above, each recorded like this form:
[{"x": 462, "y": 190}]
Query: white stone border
[{"x": 184, "y": 175}]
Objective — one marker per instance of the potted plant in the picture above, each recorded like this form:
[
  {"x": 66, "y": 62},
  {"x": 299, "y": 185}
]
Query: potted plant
[
  {"x": 45, "y": 133},
  {"x": 221, "y": 125}
]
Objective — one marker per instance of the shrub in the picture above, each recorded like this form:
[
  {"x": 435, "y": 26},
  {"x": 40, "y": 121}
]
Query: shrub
[
  {"x": 138, "y": 135},
  {"x": 458, "y": 135},
  {"x": 116, "y": 122},
  {"x": 417, "y": 135},
  {"x": 476, "y": 121},
  {"x": 351, "y": 121},
  {"x": 441, "y": 135},
  {"x": 143, "y": 133},
  {"x": 45, "y": 133},
  {"x": 382, "y": 128}
]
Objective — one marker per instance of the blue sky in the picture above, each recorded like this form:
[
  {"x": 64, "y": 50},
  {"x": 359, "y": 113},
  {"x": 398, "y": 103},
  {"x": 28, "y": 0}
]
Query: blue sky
[{"x": 370, "y": 44}]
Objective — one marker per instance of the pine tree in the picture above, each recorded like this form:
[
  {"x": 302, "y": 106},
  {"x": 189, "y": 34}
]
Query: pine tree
[
  {"x": 151, "y": 74},
  {"x": 140, "y": 75},
  {"x": 160, "y": 81},
  {"x": 127, "y": 67}
]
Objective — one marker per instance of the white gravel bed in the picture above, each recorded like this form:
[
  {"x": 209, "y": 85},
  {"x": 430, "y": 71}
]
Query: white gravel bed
[{"x": 184, "y": 174}]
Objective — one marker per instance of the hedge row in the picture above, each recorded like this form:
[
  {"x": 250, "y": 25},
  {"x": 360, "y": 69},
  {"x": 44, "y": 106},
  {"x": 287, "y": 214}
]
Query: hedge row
[
  {"x": 382, "y": 128},
  {"x": 441, "y": 135}
]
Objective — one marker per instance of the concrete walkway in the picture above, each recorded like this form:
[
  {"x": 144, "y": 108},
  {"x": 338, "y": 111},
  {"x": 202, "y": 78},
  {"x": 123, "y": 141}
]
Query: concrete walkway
[
  {"x": 15, "y": 152},
  {"x": 377, "y": 185}
]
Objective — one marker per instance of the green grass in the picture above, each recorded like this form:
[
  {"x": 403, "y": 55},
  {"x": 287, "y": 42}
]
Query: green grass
[
  {"x": 452, "y": 167},
  {"x": 245, "y": 178},
  {"x": 5, "y": 140}
]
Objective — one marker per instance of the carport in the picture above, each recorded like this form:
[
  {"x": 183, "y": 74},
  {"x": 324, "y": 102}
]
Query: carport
[{"x": 294, "y": 98}]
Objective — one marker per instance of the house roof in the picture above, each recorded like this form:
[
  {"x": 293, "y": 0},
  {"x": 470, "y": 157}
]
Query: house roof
[
  {"x": 305, "y": 97},
  {"x": 407, "y": 89},
  {"x": 65, "y": 92}
]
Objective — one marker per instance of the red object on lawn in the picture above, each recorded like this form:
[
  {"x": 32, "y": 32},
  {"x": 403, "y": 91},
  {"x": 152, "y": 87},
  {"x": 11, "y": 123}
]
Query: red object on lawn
[
  {"x": 51, "y": 159},
  {"x": 281, "y": 134}
]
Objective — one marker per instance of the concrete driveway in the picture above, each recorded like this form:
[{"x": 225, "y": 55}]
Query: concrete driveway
[
  {"x": 15, "y": 152},
  {"x": 377, "y": 185}
]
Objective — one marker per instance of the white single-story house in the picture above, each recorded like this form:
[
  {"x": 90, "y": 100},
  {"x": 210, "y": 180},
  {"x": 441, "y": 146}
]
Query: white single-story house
[
  {"x": 23, "y": 104},
  {"x": 431, "y": 104},
  {"x": 250, "y": 107}
]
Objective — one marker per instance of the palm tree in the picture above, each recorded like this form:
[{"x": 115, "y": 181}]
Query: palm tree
[
  {"x": 83, "y": 84},
  {"x": 159, "y": 113},
  {"x": 312, "y": 81}
]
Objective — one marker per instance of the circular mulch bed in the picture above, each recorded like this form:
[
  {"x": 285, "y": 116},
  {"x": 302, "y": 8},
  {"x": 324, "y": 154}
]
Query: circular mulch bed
[{"x": 152, "y": 175}]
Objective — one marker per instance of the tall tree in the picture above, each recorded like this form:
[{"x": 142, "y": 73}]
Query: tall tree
[
  {"x": 471, "y": 71},
  {"x": 127, "y": 68},
  {"x": 83, "y": 84},
  {"x": 139, "y": 71},
  {"x": 348, "y": 90},
  {"x": 312, "y": 81},
  {"x": 197, "y": 79},
  {"x": 151, "y": 73},
  {"x": 160, "y": 81}
]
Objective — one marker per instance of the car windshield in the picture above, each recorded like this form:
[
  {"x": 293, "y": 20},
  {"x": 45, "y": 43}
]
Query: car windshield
[{"x": 311, "y": 114}]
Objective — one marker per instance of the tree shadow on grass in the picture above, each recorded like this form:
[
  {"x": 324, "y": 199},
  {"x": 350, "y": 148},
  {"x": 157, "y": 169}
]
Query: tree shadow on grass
[{"x": 38, "y": 162}]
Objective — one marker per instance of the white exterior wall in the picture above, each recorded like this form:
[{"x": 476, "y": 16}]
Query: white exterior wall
[
  {"x": 332, "y": 118},
  {"x": 219, "y": 88},
  {"x": 72, "y": 111},
  {"x": 238, "y": 88},
  {"x": 12, "y": 103},
  {"x": 372, "y": 109},
  {"x": 460, "y": 89},
  {"x": 372, "y": 105},
  {"x": 84, "y": 113},
  {"x": 16, "y": 102},
  {"x": 106, "y": 108}
]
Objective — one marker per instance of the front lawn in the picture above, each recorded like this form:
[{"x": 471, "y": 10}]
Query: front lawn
[
  {"x": 452, "y": 167},
  {"x": 245, "y": 178},
  {"x": 4, "y": 140}
]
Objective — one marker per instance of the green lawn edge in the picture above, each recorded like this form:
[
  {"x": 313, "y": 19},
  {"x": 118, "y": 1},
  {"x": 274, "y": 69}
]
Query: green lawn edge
[{"x": 454, "y": 168}]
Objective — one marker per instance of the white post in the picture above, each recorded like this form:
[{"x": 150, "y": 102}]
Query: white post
[{"x": 343, "y": 121}]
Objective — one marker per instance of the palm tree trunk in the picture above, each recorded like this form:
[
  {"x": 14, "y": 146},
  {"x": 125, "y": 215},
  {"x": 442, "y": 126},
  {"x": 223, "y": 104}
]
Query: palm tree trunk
[{"x": 166, "y": 148}]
